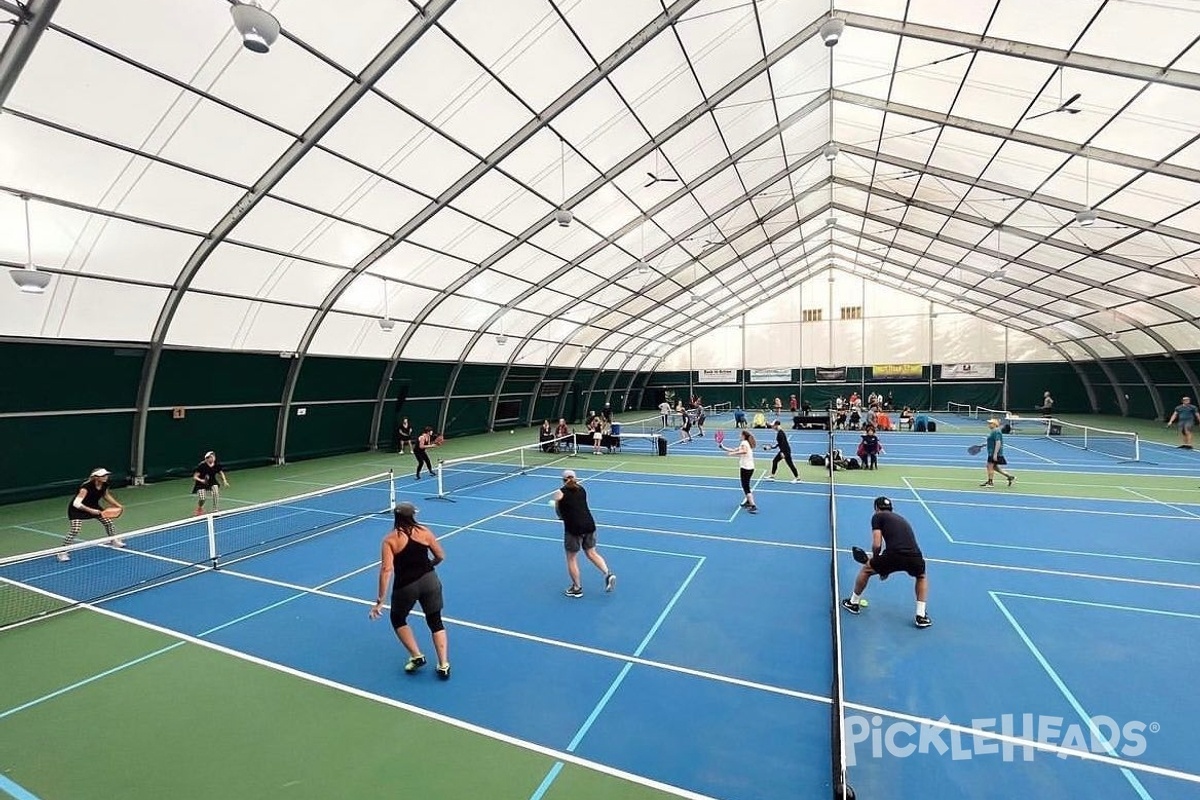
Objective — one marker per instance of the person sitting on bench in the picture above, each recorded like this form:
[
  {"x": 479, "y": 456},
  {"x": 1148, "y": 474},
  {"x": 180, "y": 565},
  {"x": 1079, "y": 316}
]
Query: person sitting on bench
[{"x": 906, "y": 418}]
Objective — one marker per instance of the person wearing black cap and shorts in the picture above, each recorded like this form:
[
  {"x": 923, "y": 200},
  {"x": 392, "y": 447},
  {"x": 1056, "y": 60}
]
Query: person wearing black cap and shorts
[
  {"x": 891, "y": 534},
  {"x": 88, "y": 504},
  {"x": 579, "y": 533},
  {"x": 785, "y": 452},
  {"x": 204, "y": 482},
  {"x": 411, "y": 551}
]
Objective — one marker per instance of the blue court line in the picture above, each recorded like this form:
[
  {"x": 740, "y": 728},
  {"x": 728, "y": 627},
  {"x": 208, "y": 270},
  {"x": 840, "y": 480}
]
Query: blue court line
[
  {"x": 544, "y": 786},
  {"x": 1062, "y": 687},
  {"x": 15, "y": 790}
]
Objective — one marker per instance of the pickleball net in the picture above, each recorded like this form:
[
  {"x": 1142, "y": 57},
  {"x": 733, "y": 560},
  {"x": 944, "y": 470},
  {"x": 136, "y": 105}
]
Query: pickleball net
[
  {"x": 839, "y": 779},
  {"x": 458, "y": 476},
  {"x": 1121, "y": 445},
  {"x": 45, "y": 582}
]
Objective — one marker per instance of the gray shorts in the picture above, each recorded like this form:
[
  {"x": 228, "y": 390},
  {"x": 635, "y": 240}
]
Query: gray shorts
[
  {"x": 1186, "y": 427},
  {"x": 573, "y": 542}
]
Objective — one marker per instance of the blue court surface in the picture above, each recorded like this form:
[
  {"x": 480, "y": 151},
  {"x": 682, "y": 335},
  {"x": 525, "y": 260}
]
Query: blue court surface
[{"x": 1058, "y": 663}]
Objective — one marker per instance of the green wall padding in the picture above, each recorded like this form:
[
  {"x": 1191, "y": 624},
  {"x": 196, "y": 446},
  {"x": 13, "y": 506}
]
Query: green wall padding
[
  {"x": 31, "y": 469},
  {"x": 239, "y": 436},
  {"x": 467, "y": 415},
  {"x": 329, "y": 429},
  {"x": 201, "y": 378},
  {"x": 478, "y": 379},
  {"x": 338, "y": 379},
  {"x": 59, "y": 377},
  {"x": 1027, "y": 382}
]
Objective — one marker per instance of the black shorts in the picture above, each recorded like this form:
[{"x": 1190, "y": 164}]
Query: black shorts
[
  {"x": 574, "y": 542},
  {"x": 426, "y": 590},
  {"x": 998, "y": 460},
  {"x": 885, "y": 564}
]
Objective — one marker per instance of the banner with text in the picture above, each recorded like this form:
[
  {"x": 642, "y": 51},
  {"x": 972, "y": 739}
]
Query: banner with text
[
  {"x": 969, "y": 372},
  {"x": 830, "y": 374},
  {"x": 771, "y": 375},
  {"x": 717, "y": 376},
  {"x": 892, "y": 372}
]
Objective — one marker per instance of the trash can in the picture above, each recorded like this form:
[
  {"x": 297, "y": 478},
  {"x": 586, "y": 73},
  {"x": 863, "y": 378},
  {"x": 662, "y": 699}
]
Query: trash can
[
  {"x": 616, "y": 429},
  {"x": 662, "y": 445}
]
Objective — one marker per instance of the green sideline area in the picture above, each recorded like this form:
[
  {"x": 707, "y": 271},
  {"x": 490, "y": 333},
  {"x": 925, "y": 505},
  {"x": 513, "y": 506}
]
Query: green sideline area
[{"x": 129, "y": 723}]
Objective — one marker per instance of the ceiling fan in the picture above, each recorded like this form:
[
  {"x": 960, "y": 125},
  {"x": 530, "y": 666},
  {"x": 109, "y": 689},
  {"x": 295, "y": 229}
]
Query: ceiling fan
[
  {"x": 654, "y": 177},
  {"x": 1064, "y": 106}
]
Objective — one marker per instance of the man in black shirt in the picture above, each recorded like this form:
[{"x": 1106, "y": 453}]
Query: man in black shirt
[
  {"x": 891, "y": 534},
  {"x": 785, "y": 453},
  {"x": 205, "y": 482}
]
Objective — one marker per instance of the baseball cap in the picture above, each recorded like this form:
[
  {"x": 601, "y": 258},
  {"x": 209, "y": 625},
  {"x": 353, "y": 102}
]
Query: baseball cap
[
  {"x": 100, "y": 473},
  {"x": 568, "y": 473},
  {"x": 406, "y": 509},
  {"x": 883, "y": 504},
  {"x": 210, "y": 453}
]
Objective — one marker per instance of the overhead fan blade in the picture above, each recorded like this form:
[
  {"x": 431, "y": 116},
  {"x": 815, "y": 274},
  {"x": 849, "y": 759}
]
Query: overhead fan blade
[{"x": 1066, "y": 106}]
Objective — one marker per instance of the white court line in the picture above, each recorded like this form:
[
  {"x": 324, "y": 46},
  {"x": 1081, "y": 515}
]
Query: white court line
[
  {"x": 1061, "y": 510},
  {"x": 929, "y": 511},
  {"x": 753, "y": 489},
  {"x": 1097, "y": 736},
  {"x": 1030, "y": 453},
  {"x": 1153, "y": 611},
  {"x": 1161, "y": 502}
]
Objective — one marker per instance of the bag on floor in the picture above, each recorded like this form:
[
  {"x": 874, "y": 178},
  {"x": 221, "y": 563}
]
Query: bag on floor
[{"x": 816, "y": 460}]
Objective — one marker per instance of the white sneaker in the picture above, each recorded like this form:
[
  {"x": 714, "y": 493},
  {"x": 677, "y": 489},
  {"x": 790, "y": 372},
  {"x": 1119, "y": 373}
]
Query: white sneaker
[
  {"x": 770, "y": 477},
  {"x": 795, "y": 480},
  {"x": 117, "y": 543},
  {"x": 64, "y": 556}
]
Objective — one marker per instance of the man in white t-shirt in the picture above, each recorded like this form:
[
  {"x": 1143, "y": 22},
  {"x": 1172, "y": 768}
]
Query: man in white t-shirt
[
  {"x": 664, "y": 408},
  {"x": 1047, "y": 407}
]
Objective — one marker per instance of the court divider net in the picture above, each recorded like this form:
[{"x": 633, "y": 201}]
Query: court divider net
[
  {"x": 1122, "y": 445},
  {"x": 456, "y": 476}
]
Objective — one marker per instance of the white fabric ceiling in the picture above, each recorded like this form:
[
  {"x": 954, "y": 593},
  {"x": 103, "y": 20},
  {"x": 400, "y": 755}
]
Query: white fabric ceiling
[{"x": 404, "y": 159}]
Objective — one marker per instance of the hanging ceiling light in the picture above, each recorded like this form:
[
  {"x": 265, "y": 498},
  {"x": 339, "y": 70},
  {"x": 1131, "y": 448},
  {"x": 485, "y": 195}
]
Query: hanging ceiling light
[
  {"x": 563, "y": 215},
  {"x": 386, "y": 323},
  {"x": 259, "y": 29},
  {"x": 1085, "y": 217},
  {"x": 831, "y": 31},
  {"x": 28, "y": 279},
  {"x": 830, "y": 151}
]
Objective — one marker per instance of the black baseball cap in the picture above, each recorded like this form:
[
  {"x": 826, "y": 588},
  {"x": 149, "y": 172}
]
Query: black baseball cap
[{"x": 883, "y": 504}]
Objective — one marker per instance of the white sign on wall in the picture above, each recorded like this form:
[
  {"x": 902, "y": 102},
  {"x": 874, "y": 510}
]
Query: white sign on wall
[
  {"x": 969, "y": 372},
  {"x": 717, "y": 376},
  {"x": 783, "y": 375}
]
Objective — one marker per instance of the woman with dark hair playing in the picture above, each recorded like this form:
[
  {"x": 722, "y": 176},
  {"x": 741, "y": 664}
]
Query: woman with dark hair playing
[
  {"x": 579, "y": 533},
  {"x": 745, "y": 455},
  {"x": 425, "y": 441},
  {"x": 411, "y": 551},
  {"x": 88, "y": 503}
]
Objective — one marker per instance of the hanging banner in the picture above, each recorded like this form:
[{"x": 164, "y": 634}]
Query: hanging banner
[
  {"x": 969, "y": 372},
  {"x": 783, "y": 375},
  {"x": 830, "y": 374},
  {"x": 716, "y": 376},
  {"x": 892, "y": 372}
]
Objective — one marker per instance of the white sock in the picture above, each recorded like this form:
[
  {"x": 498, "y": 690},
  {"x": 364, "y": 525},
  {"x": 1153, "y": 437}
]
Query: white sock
[
  {"x": 854, "y": 598},
  {"x": 920, "y": 608}
]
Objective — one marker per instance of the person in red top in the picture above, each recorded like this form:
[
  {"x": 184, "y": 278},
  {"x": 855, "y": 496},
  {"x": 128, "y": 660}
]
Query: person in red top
[
  {"x": 411, "y": 552},
  {"x": 792, "y": 404}
]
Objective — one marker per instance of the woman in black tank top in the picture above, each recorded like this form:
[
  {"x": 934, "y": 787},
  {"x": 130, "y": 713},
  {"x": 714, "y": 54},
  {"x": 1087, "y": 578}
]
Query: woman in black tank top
[
  {"x": 411, "y": 552},
  {"x": 88, "y": 503},
  {"x": 579, "y": 533}
]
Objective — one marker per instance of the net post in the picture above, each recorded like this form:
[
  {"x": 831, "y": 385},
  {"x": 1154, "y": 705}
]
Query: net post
[
  {"x": 1137, "y": 447},
  {"x": 391, "y": 488},
  {"x": 211, "y": 529}
]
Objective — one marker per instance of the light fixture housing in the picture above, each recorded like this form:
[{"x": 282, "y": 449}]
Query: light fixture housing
[
  {"x": 693, "y": 298},
  {"x": 259, "y": 28},
  {"x": 387, "y": 324},
  {"x": 563, "y": 217},
  {"x": 1113, "y": 336},
  {"x": 830, "y": 151},
  {"x": 830, "y": 222},
  {"x": 1086, "y": 217},
  {"x": 643, "y": 268},
  {"x": 501, "y": 339},
  {"x": 30, "y": 281},
  {"x": 831, "y": 31}
]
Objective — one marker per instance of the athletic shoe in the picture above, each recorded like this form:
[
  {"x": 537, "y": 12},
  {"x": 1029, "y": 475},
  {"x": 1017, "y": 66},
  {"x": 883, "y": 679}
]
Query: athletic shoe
[
  {"x": 771, "y": 477},
  {"x": 853, "y": 608},
  {"x": 574, "y": 591},
  {"x": 986, "y": 484},
  {"x": 117, "y": 543},
  {"x": 795, "y": 480},
  {"x": 443, "y": 671},
  {"x": 1011, "y": 478},
  {"x": 745, "y": 504},
  {"x": 610, "y": 581},
  {"x": 752, "y": 510},
  {"x": 198, "y": 512},
  {"x": 414, "y": 664},
  {"x": 922, "y": 621},
  {"x": 64, "y": 556}
]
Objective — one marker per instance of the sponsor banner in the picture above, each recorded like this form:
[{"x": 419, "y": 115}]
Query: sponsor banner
[
  {"x": 717, "y": 376},
  {"x": 891, "y": 372},
  {"x": 830, "y": 374},
  {"x": 969, "y": 372},
  {"x": 783, "y": 375}
]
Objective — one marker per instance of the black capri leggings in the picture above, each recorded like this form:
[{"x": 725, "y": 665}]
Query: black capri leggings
[
  {"x": 422, "y": 458},
  {"x": 746, "y": 473},
  {"x": 427, "y": 590},
  {"x": 787, "y": 459}
]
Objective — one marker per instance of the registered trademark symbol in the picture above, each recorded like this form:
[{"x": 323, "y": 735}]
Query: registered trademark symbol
[{"x": 1154, "y": 727}]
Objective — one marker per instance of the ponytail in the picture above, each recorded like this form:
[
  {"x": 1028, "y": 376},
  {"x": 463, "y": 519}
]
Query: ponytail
[{"x": 749, "y": 437}]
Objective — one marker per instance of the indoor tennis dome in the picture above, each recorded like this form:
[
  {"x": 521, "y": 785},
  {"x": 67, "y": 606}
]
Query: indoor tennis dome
[{"x": 495, "y": 212}]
